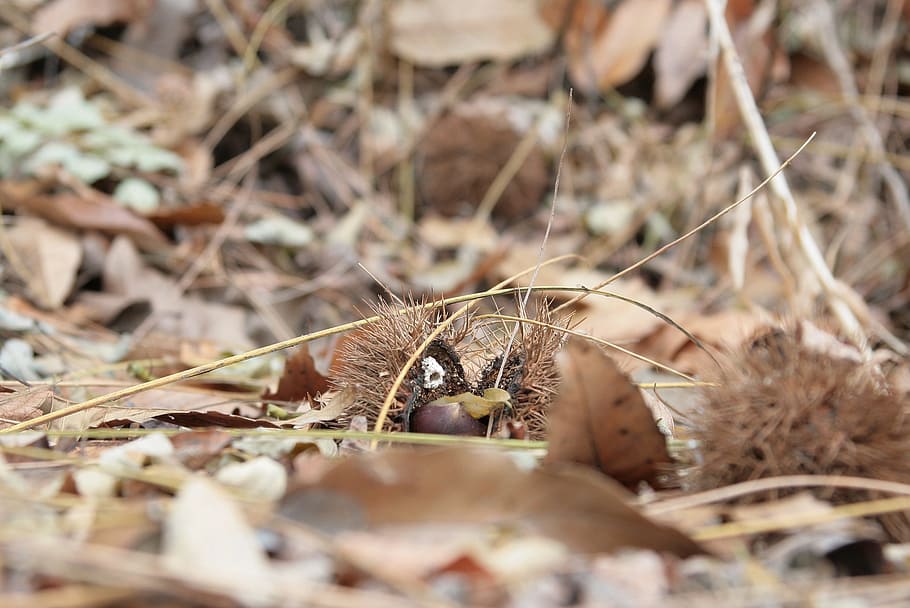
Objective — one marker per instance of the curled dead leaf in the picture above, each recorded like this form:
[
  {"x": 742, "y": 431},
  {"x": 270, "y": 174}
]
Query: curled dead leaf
[
  {"x": 600, "y": 418},
  {"x": 610, "y": 49},
  {"x": 681, "y": 55}
]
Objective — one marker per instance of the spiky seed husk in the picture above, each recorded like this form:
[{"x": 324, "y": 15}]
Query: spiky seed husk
[
  {"x": 541, "y": 377},
  {"x": 370, "y": 358},
  {"x": 785, "y": 407}
]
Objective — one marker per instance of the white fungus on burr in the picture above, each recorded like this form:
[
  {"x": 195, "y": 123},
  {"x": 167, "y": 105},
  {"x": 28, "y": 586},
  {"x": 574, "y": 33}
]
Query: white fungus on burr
[{"x": 433, "y": 373}]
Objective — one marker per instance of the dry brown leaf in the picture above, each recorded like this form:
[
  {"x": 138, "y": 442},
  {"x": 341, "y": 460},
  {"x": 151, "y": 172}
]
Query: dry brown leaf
[
  {"x": 807, "y": 72},
  {"x": 196, "y": 448},
  {"x": 578, "y": 507},
  {"x": 617, "y": 53},
  {"x": 100, "y": 213},
  {"x": 63, "y": 16},
  {"x": 51, "y": 257},
  {"x": 22, "y": 405},
  {"x": 601, "y": 420},
  {"x": 333, "y": 405},
  {"x": 199, "y": 213},
  {"x": 722, "y": 330},
  {"x": 300, "y": 380},
  {"x": 126, "y": 276},
  {"x": 435, "y": 33},
  {"x": 682, "y": 53},
  {"x": 187, "y": 405},
  {"x": 582, "y": 22},
  {"x": 208, "y": 418}
]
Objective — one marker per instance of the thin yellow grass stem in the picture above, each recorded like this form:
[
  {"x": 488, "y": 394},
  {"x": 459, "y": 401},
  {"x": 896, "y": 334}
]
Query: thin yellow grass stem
[{"x": 413, "y": 438}]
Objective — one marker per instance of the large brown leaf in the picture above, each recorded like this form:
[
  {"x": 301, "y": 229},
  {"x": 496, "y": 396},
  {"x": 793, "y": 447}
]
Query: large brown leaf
[
  {"x": 584, "y": 510},
  {"x": 600, "y": 418}
]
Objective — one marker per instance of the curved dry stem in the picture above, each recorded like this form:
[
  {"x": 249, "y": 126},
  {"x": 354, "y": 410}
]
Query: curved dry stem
[
  {"x": 625, "y": 351},
  {"x": 775, "y": 483},
  {"x": 228, "y": 361}
]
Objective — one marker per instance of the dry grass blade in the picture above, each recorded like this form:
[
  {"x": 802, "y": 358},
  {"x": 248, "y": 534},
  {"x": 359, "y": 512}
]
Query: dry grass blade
[
  {"x": 754, "y": 486},
  {"x": 28, "y": 42},
  {"x": 573, "y": 505},
  {"x": 523, "y": 302},
  {"x": 884, "y": 506}
]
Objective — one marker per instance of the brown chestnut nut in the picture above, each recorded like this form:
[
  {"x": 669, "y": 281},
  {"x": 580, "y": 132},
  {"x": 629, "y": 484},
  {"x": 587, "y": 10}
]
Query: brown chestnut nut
[{"x": 442, "y": 418}]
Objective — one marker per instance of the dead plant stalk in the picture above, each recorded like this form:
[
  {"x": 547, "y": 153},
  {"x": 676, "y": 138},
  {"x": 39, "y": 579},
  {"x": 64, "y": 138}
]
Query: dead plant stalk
[{"x": 837, "y": 302}]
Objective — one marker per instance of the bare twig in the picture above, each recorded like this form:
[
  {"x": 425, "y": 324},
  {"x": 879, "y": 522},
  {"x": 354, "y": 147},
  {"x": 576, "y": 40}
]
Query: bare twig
[
  {"x": 834, "y": 291},
  {"x": 19, "y": 47}
]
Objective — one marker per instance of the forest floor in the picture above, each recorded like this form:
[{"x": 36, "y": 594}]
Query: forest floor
[{"x": 431, "y": 303}]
